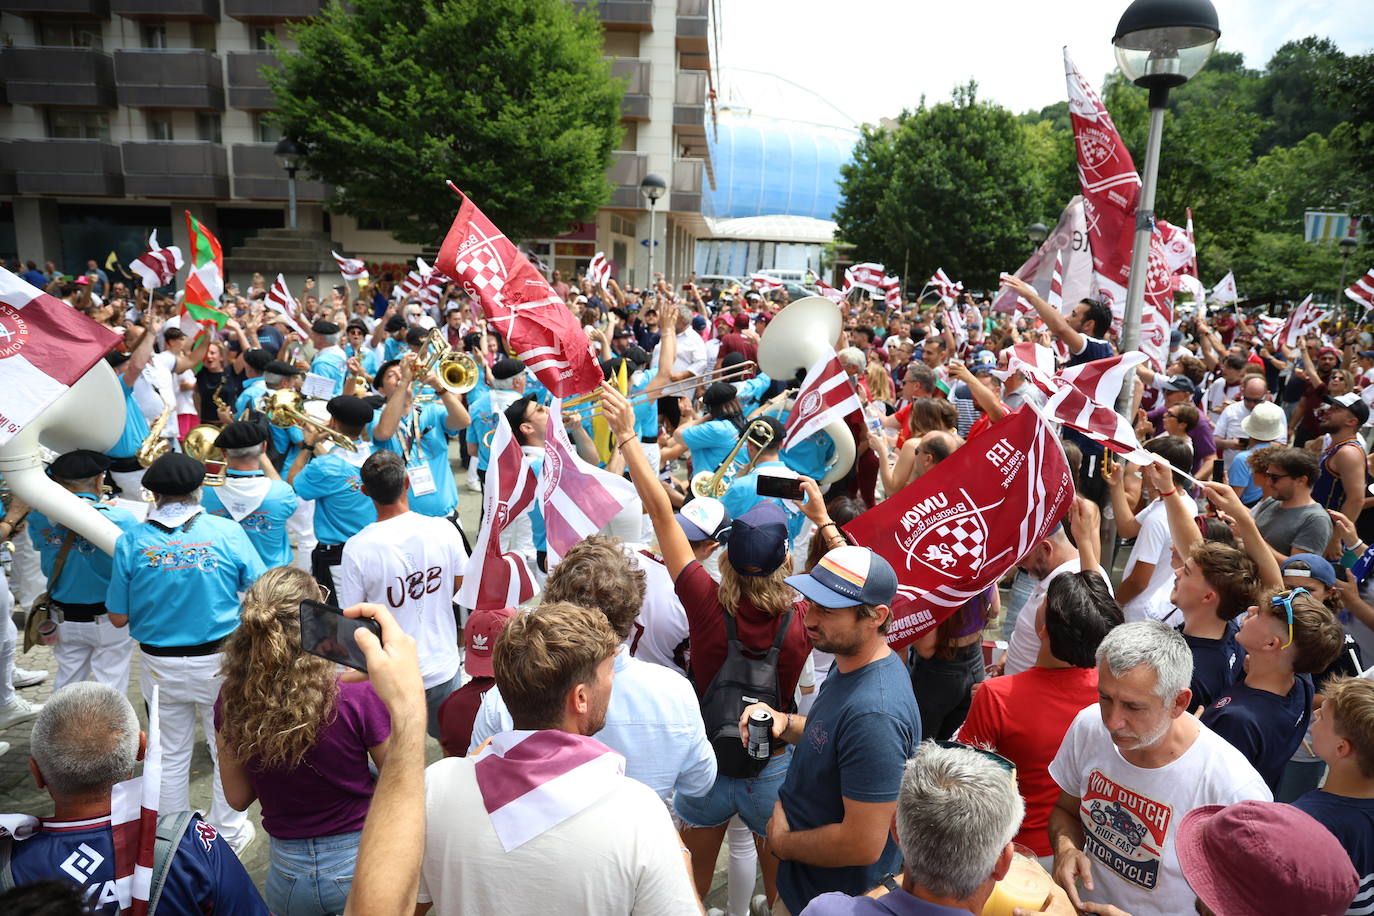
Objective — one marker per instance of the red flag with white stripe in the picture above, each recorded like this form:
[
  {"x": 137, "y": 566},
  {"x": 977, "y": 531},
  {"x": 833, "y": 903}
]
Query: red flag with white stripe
[
  {"x": 956, "y": 529},
  {"x": 947, "y": 289},
  {"x": 578, "y": 498},
  {"x": 157, "y": 266},
  {"x": 518, "y": 302},
  {"x": 892, "y": 291},
  {"x": 867, "y": 276},
  {"x": 351, "y": 268},
  {"x": 500, "y": 579},
  {"x": 133, "y": 821},
  {"x": 432, "y": 286},
  {"x": 765, "y": 284},
  {"x": 1102, "y": 379},
  {"x": 1034, "y": 361},
  {"x": 1072, "y": 407},
  {"x": 1362, "y": 290},
  {"x": 829, "y": 292},
  {"x": 45, "y": 346},
  {"x": 1304, "y": 320},
  {"x": 599, "y": 270},
  {"x": 826, "y": 395},
  {"x": 280, "y": 300},
  {"x": 1191, "y": 267}
]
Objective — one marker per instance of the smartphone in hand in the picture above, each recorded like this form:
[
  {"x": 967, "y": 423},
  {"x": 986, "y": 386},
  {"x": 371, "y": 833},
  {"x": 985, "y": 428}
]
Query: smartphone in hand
[
  {"x": 778, "y": 486},
  {"x": 326, "y": 632}
]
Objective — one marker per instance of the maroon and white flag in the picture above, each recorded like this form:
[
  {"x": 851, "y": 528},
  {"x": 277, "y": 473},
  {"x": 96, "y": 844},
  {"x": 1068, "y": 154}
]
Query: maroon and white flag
[
  {"x": 1224, "y": 292},
  {"x": 1102, "y": 379},
  {"x": 518, "y": 302},
  {"x": 947, "y": 289},
  {"x": 497, "y": 579},
  {"x": 1362, "y": 290},
  {"x": 410, "y": 287},
  {"x": 1304, "y": 320},
  {"x": 133, "y": 820},
  {"x": 1067, "y": 246},
  {"x": 1191, "y": 268},
  {"x": 280, "y": 300},
  {"x": 432, "y": 284},
  {"x": 351, "y": 268},
  {"x": 578, "y": 498},
  {"x": 765, "y": 284},
  {"x": 867, "y": 276},
  {"x": 157, "y": 266},
  {"x": 1270, "y": 328},
  {"x": 892, "y": 291},
  {"x": 1034, "y": 361},
  {"x": 1099, "y": 422},
  {"x": 829, "y": 292},
  {"x": 957, "y": 528},
  {"x": 599, "y": 270},
  {"x": 45, "y": 346},
  {"x": 826, "y": 395}
]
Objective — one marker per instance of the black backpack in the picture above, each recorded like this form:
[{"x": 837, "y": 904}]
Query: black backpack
[{"x": 740, "y": 682}]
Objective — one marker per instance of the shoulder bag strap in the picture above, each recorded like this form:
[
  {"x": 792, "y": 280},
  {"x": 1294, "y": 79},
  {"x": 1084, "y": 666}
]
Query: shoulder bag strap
[{"x": 61, "y": 560}]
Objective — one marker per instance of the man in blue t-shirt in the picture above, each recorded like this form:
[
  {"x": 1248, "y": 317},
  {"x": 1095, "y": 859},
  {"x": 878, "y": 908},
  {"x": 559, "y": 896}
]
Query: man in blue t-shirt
[
  {"x": 419, "y": 433},
  {"x": 252, "y": 494},
  {"x": 84, "y": 741},
  {"x": 830, "y": 825}
]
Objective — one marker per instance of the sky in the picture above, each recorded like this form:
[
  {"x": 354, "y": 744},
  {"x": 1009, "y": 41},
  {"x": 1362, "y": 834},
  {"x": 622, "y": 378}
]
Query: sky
[{"x": 869, "y": 59}]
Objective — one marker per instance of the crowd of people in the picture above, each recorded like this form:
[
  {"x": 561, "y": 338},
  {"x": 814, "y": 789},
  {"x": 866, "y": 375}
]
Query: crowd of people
[{"x": 1163, "y": 705}]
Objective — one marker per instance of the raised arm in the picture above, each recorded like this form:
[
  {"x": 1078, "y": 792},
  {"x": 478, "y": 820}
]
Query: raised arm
[{"x": 1057, "y": 324}]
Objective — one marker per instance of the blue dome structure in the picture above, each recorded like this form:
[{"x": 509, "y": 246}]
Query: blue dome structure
[{"x": 773, "y": 167}]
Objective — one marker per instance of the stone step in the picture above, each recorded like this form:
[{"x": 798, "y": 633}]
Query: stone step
[
  {"x": 244, "y": 268},
  {"x": 295, "y": 234},
  {"x": 262, "y": 248}
]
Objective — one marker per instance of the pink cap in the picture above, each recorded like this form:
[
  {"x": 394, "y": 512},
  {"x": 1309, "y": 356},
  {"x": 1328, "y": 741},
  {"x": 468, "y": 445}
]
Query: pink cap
[{"x": 479, "y": 639}]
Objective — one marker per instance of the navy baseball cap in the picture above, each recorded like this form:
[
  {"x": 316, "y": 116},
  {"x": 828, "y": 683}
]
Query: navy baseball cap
[
  {"x": 848, "y": 576},
  {"x": 704, "y": 519},
  {"x": 1311, "y": 566},
  {"x": 758, "y": 540},
  {"x": 1178, "y": 383}
]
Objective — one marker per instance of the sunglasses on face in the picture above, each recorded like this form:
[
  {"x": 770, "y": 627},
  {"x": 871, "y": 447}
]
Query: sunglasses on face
[
  {"x": 1286, "y": 602},
  {"x": 1272, "y": 476}
]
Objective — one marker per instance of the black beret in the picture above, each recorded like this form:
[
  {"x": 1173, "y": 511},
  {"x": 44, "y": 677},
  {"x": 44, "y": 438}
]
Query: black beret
[
  {"x": 116, "y": 359},
  {"x": 174, "y": 474},
  {"x": 240, "y": 435},
  {"x": 637, "y": 355},
  {"x": 350, "y": 410},
  {"x": 416, "y": 336},
  {"x": 375, "y": 401},
  {"x": 324, "y": 327},
  {"x": 359, "y": 324},
  {"x": 719, "y": 393},
  {"x": 277, "y": 367},
  {"x": 258, "y": 359},
  {"x": 394, "y": 324},
  {"x": 732, "y": 359},
  {"x": 515, "y": 413},
  {"x": 79, "y": 465},
  {"x": 776, "y": 426},
  {"x": 507, "y": 367}
]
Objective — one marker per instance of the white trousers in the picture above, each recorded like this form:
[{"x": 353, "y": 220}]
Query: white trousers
[
  {"x": 130, "y": 484},
  {"x": 301, "y": 527},
  {"x": 29, "y": 581},
  {"x": 9, "y": 635},
  {"x": 187, "y": 688},
  {"x": 97, "y": 651}
]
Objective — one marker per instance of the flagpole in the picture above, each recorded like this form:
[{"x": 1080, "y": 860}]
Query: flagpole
[{"x": 1140, "y": 253}]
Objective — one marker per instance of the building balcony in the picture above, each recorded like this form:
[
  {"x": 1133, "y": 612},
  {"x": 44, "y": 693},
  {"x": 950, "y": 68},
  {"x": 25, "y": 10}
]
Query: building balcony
[
  {"x": 259, "y": 176},
  {"x": 627, "y": 171},
  {"x": 685, "y": 189},
  {"x": 247, "y": 85},
  {"x": 172, "y": 169},
  {"x": 693, "y": 30},
  {"x": 82, "y": 168},
  {"x": 271, "y": 10},
  {"x": 634, "y": 105},
  {"x": 189, "y": 10},
  {"x": 78, "y": 77},
  {"x": 57, "y": 9},
  {"x": 189, "y": 78},
  {"x": 623, "y": 15}
]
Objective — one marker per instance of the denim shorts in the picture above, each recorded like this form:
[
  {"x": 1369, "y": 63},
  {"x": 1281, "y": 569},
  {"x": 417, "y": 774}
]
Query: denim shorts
[
  {"x": 752, "y": 799},
  {"x": 311, "y": 877}
]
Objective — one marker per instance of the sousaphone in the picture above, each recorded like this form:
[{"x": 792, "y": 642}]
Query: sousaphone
[{"x": 795, "y": 338}]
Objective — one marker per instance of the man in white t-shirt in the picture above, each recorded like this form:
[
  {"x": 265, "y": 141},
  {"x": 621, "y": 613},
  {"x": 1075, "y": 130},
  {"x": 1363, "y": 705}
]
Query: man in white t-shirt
[
  {"x": 1148, "y": 575},
  {"x": 413, "y": 564},
  {"x": 1229, "y": 430},
  {"x": 542, "y": 817},
  {"x": 1130, "y": 768}
]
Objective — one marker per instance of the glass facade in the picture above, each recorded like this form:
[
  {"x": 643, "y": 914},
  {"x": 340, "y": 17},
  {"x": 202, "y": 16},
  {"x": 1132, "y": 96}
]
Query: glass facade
[{"x": 767, "y": 167}]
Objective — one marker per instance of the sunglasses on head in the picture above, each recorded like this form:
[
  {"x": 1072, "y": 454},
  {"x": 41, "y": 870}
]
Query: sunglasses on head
[
  {"x": 1286, "y": 602},
  {"x": 996, "y": 758}
]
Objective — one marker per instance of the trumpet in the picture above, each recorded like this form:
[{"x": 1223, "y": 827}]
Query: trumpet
[
  {"x": 587, "y": 405},
  {"x": 458, "y": 372},
  {"x": 154, "y": 446},
  {"x": 286, "y": 408},
  {"x": 706, "y": 483},
  {"x": 200, "y": 445}
]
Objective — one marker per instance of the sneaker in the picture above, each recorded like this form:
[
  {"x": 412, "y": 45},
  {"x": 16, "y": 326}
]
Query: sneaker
[
  {"x": 715, "y": 911},
  {"x": 471, "y": 483},
  {"x": 4, "y": 748},
  {"x": 23, "y": 677},
  {"x": 759, "y": 905},
  {"x": 21, "y": 710}
]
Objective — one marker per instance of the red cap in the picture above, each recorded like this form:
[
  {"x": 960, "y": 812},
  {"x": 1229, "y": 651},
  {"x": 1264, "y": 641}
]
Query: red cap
[{"x": 479, "y": 639}]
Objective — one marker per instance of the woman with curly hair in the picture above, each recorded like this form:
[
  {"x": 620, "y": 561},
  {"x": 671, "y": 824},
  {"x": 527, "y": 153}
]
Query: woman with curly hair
[{"x": 295, "y": 737}]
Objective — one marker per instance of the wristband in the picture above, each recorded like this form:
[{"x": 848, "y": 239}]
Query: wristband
[
  {"x": 620, "y": 445},
  {"x": 1170, "y": 493}
]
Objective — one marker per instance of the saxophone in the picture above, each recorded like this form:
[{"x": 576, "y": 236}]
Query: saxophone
[
  {"x": 154, "y": 446},
  {"x": 219, "y": 401}
]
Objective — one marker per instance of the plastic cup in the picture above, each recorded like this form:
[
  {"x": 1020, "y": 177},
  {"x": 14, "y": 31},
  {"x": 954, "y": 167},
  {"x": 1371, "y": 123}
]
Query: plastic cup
[{"x": 1026, "y": 885}]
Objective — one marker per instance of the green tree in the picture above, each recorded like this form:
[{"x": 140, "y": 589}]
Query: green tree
[
  {"x": 1289, "y": 96},
  {"x": 510, "y": 99},
  {"x": 952, "y": 185}
]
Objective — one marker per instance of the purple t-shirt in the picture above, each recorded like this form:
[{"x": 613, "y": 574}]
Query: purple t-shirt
[
  {"x": 329, "y": 792},
  {"x": 1203, "y": 438}
]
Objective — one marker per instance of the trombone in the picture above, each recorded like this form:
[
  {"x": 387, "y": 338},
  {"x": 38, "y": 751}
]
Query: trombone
[
  {"x": 705, "y": 483},
  {"x": 286, "y": 408},
  {"x": 589, "y": 404}
]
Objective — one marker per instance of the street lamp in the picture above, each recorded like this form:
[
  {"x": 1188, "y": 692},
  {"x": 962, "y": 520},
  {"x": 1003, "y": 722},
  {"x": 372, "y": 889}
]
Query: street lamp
[
  {"x": 1037, "y": 233},
  {"x": 288, "y": 153},
  {"x": 1347, "y": 247},
  {"x": 652, "y": 187},
  {"x": 1160, "y": 44}
]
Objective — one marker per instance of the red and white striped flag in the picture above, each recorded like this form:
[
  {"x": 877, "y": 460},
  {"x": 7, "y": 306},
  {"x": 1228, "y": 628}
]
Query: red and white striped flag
[
  {"x": 351, "y": 268},
  {"x": 892, "y": 291},
  {"x": 765, "y": 284},
  {"x": 518, "y": 302},
  {"x": 133, "y": 821},
  {"x": 578, "y": 498},
  {"x": 867, "y": 276},
  {"x": 1191, "y": 268},
  {"x": 1304, "y": 320},
  {"x": 280, "y": 300},
  {"x": 410, "y": 287},
  {"x": 432, "y": 286},
  {"x": 500, "y": 579},
  {"x": 828, "y": 291},
  {"x": 1034, "y": 361},
  {"x": 1362, "y": 290},
  {"x": 826, "y": 395},
  {"x": 1101, "y": 379},
  {"x": 45, "y": 346},
  {"x": 947, "y": 289},
  {"x": 1056, "y": 294},
  {"x": 1072, "y": 407},
  {"x": 532, "y": 781},
  {"x": 157, "y": 266},
  {"x": 599, "y": 270},
  {"x": 1270, "y": 328}
]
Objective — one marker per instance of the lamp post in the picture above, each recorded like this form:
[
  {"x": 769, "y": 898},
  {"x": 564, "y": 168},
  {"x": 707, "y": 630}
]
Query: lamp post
[
  {"x": 652, "y": 187},
  {"x": 1037, "y": 233},
  {"x": 1160, "y": 44},
  {"x": 288, "y": 153},
  {"x": 1347, "y": 247}
]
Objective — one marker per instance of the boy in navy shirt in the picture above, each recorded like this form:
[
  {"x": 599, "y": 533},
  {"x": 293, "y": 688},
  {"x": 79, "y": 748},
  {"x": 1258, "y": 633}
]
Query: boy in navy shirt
[
  {"x": 1343, "y": 737},
  {"x": 1288, "y": 636}
]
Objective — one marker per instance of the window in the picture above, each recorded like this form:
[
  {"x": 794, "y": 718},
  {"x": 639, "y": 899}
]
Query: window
[
  {"x": 68, "y": 34},
  {"x": 265, "y": 130},
  {"x": 261, "y": 34},
  {"x": 208, "y": 126},
  {"x": 203, "y": 36},
  {"x": 76, "y": 124},
  {"x": 159, "y": 125},
  {"x": 155, "y": 36}
]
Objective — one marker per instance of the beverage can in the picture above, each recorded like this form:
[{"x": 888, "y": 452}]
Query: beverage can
[{"x": 760, "y": 734}]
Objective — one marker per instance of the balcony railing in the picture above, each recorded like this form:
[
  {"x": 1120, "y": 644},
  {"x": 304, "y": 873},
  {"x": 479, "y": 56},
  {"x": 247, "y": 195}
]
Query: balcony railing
[
  {"x": 258, "y": 175},
  {"x": 271, "y": 10},
  {"x": 67, "y": 167},
  {"x": 176, "y": 169},
  {"x": 189, "y": 78},
  {"x": 634, "y": 105},
  {"x": 693, "y": 26},
  {"x": 627, "y": 171},
  {"x": 623, "y": 15},
  {"x": 686, "y": 185},
  {"x": 191, "y": 10},
  {"x": 78, "y": 77},
  {"x": 247, "y": 86},
  {"x": 57, "y": 9}
]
